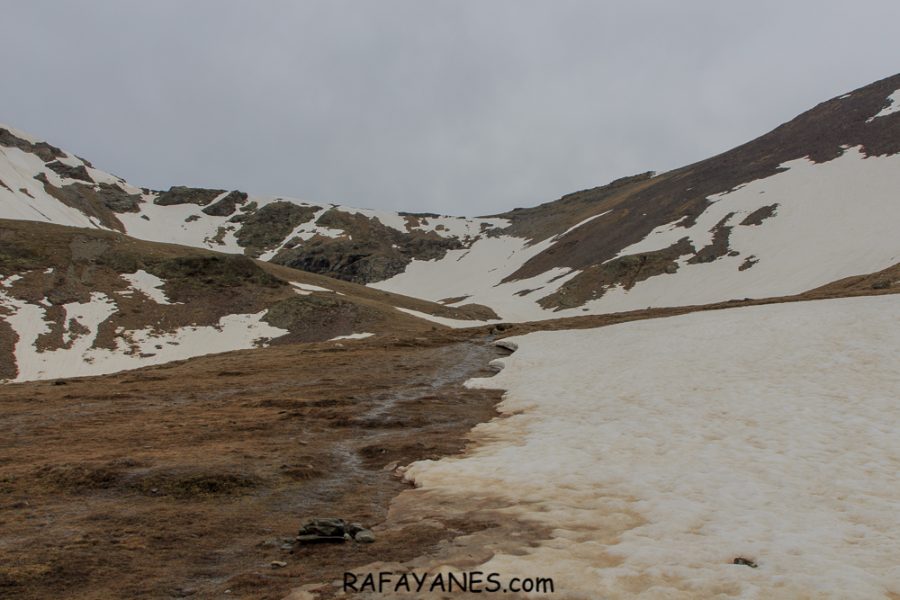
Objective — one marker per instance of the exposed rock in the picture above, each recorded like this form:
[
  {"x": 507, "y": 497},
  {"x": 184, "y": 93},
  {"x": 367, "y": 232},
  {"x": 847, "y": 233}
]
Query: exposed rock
[
  {"x": 333, "y": 530},
  {"x": 371, "y": 251},
  {"x": 718, "y": 247},
  {"x": 92, "y": 202},
  {"x": 740, "y": 560},
  {"x": 327, "y": 530},
  {"x": 760, "y": 214},
  {"x": 42, "y": 150},
  {"x": 64, "y": 170},
  {"x": 227, "y": 205},
  {"x": 748, "y": 262},
  {"x": 625, "y": 271},
  {"x": 116, "y": 199},
  {"x": 364, "y": 536},
  {"x": 267, "y": 227},
  {"x": 350, "y": 260},
  {"x": 180, "y": 194},
  {"x": 453, "y": 300},
  {"x": 183, "y": 592}
]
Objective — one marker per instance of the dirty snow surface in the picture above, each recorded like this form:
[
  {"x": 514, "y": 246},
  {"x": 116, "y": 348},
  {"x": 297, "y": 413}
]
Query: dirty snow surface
[{"x": 656, "y": 452}]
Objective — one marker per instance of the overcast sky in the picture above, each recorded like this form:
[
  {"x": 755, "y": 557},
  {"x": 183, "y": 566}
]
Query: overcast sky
[{"x": 460, "y": 107}]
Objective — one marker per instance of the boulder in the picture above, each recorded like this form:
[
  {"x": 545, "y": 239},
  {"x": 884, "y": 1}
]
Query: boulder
[
  {"x": 333, "y": 530},
  {"x": 323, "y": 530},
  {"x": 364, "y": 536}
]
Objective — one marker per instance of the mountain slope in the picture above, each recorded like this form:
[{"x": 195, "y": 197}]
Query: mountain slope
[
  {"x": 811, "y": 202},
  {"x": 43, "y": 183},
  {"x": 88, "y": 301}
]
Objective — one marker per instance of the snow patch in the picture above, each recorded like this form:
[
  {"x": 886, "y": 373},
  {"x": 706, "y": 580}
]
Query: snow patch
[
  {"x": 352, "y": 336},
  {"x": 308, "y": 287},
  {"x": 8, "y": 282},
  {"x": 892, "y": 107},
  {"x": 454, "y": 323},
  {"x": 147, "y": 284}
]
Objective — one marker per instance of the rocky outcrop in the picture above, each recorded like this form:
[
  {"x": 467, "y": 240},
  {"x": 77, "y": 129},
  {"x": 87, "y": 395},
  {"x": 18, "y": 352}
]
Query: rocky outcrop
[
  {"x": 42, "y": 150},
  {"x": 268, "y": 226},
  {"x": 113, "y": 197},
  {"x": 760, "y": 214},
  {"x": 92, "y": 202},
  {"x": 718, "y": 247},
  {"x": 624, "y": 271},
  {"x": 369, "y": 251},
  {"x": 187, "y": 195},
  {"x": 63, "y": 170},
  {"x": 226, "y": 206}
]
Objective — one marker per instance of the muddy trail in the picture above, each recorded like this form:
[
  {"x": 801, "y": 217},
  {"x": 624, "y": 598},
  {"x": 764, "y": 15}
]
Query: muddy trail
[{"x": 190, "y": 479}]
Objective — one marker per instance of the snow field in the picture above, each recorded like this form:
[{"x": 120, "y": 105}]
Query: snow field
[{"x": 658, "y": 451}]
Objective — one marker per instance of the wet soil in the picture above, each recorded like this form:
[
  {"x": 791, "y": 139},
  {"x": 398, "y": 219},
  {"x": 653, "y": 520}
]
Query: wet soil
[{"x": 189, "y": 479}]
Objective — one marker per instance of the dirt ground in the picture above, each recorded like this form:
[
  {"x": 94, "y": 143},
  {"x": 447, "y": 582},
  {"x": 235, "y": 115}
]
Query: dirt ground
[{"x": 189, "y": 479}]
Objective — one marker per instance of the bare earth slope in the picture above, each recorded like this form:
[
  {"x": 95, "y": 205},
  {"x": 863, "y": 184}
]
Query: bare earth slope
[
  {"x": 87, "y": 301},
  {"x": 812, "y": 201},
  {"x": 189, "y": 478}
]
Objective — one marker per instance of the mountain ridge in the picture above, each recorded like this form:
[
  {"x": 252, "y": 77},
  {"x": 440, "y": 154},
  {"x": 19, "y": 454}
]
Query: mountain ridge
[{"x": 722, "y": 228}]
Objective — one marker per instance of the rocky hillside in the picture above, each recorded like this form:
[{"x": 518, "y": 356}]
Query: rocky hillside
[
  {"x": 811, "y": 202},
  {"x": 40, "y": 182},
  {"x": 77, "y": 301}
]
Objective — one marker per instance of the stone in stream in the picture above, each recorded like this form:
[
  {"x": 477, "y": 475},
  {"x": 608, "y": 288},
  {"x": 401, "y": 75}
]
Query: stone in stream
[
  {"x": 323, "y": 530},
  {"x": 333, "y": 530},
  {"x": 364, "y": 536}
]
